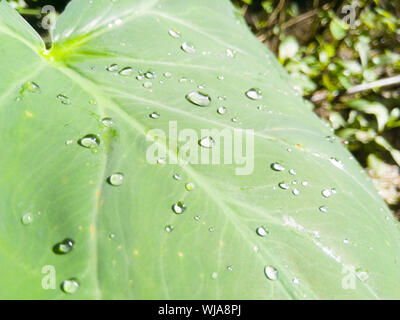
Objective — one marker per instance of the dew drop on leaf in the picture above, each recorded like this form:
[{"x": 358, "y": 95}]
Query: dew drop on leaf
[
  {"x": 112, "y": 68},
  {"x": 31, "y": 86},
  {"x": 207, "y": 142},
  {"x": 271, "y": 273},
  {"x": 188, "y": 47},
  {"x": 179, "y": 207},
  {"x": 277, "y": 167},
  {"x": 63, "y": 99},
  {"x": 177, "y": 176},
  {"x": 64, "y": 247},
  {"x": 150, "y": 75},
  {"x": 198, "y": 98},
  {"x": 174, "y": 34},
  {"x": 323, "y": 209},
  {"x": 126, "y": 72},
  {"x": 189, "y": 186},
  {"x": 70, "y": 286},
  {"x": 116, "y": 179},
  {"x": 261, "y": 231},
  {"x": 107, "y": 122},
  {"x": 221, "y": 110},
  {"x": 154, "y": 115},
  {"x": 27, "y": 219},
  {"x": 362, "y": 274},
  {"x": 283, "y": 185},
  {"x": 169, "y": 228},
  {"x": 90, "y": 141},
  {"x": 326, "y": 193},
  {"x": 254, "y": 94},
  {"x": 296, "y": 192}
]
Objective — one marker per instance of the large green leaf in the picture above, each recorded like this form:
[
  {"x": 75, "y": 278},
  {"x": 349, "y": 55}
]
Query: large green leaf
[{"x": 51, "y": 190}]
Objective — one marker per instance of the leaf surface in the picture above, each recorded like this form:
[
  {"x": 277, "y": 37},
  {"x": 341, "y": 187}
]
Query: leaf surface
[{"x": 122, "y": 248}]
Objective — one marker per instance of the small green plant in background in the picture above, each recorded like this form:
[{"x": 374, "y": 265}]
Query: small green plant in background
[{"x": 350, "y": 70}]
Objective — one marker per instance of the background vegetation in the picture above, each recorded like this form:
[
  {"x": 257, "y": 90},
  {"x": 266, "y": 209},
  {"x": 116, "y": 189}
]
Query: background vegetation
[{"x": 330, "y": 63}]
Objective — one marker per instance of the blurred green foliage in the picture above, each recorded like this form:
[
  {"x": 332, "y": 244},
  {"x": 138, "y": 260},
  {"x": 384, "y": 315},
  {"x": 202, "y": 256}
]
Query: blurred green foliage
[{"x": 330, "y": 58}]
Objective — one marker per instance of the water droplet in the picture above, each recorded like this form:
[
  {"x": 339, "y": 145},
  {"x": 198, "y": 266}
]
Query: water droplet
[
  {"x": 177, "y": 176},
  {"x": 107, "y": 122},
  {"x": 295, "y": 281},
  {"x": 154, "y": 115},
  {"x": 326, "y": 193},
  {"x": 30, "y": 86},
  {"x": 188, "y": 47},
  {"x": 254, "y": 94},
  {"x": 90, "y": 141},
  {"x": 271, "y": 273},
  {"x": 221, "y": 110},
  {"x": 283, "y": 185},
  {"x": 211, "y": 229},
  {"x": 173, "y": 33},
  {"x": 116, "y": 179},
  {"x": 362, "y": 274},
  {"x": 207, "y": 142},
  {"x": 261, "y": 231},
  {"x": 111, "y": 235},
  {"x": 112, "y": 68},
  {"x": 27, "y": 219},
  {"x": 220, "y": 77},
  {"x": 179, "y": 207},
  {"x": 70, "y": 286},
  {"x": 147, "y": 84},
  {"x": 150, "y": 75},
  {"x": 189, "y": 186},
  {"x": 167, "y": 74},
  {"x": 64, "y": 99},
  {"x": 337, "y": 163},
  {"x": 292, "y": 172},
  {"x": 199, "y": 98},
  {"x": 169, "y": 228},
  {"x": 126, "y": 72},
  {"x": 197, "y": 218},
  {"x": 214, "y": 275},
  {"x": 229, "y": 268},
  {"x": 323, "y": 209},
  {"x": 235, "y": 119},
  {"x": 230, "y": 53},
  {"x": 277, "y": 167},
  {"x": 69, "y": 142},
  {"x": 304, "y": 183},
  {"x": 64, "y": 247},
  {"x": 296, "y": 191}
]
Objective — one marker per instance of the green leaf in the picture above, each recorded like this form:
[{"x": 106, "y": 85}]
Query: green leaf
[
  {"x": 100, "y": 220},
  {"x": 288, "y": 48},
  {"x": 371, "y": 107},
  {"x": 338, "y": 28}
]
